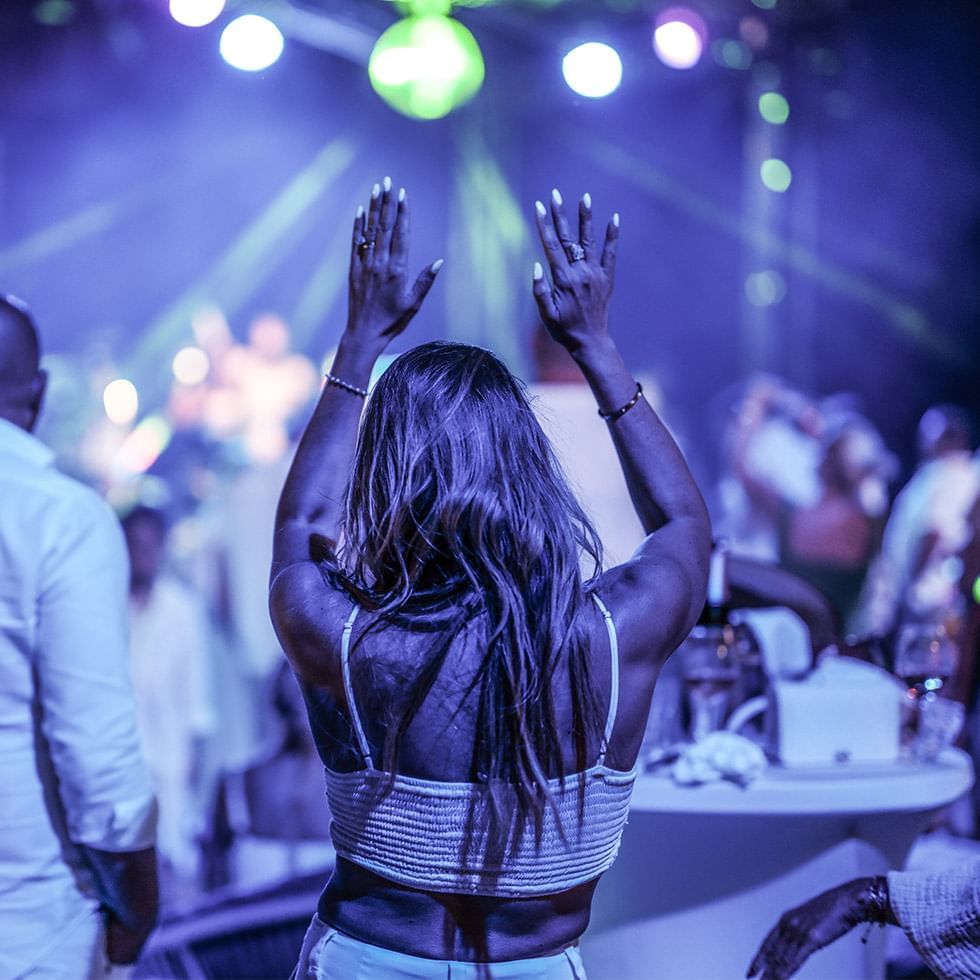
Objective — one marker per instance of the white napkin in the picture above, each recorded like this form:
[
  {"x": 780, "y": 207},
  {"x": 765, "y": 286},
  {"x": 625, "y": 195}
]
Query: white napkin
[{"x": 720, "y": 755}]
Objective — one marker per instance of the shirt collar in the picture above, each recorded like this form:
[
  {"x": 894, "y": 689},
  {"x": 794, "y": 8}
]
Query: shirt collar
[{"x": 15, "y": 441}]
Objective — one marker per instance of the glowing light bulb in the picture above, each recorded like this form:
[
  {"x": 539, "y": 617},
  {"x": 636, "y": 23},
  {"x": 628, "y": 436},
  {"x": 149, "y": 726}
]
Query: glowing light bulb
[
  {"x": 251, "y": 43},
  {"x": 593, "y": 69},
  {"x": 191, "y": 365},
  {"x": 121, "y": 401},
  {"x": 679, "y": 37},
  {"x": 196, "y": 13}
]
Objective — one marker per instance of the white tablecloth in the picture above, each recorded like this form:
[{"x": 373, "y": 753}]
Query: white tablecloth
[{"x": 704, "y": 872}]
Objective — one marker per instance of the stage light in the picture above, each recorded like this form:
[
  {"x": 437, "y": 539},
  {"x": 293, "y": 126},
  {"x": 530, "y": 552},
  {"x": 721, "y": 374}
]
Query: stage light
[
  {"x": 774, "y": 108},
  {"x": 679, "y": 37},
  {"x": 251, "y": 43},
  {"x": 592, "y": 69},
  {"x": 120, "y": 400},
  {"x": 196, "y": 13},
  {"x": 976, "y": 590},
  {"x": 191, "y": 365},
  {"x": 765, "y": 288},
  {"x": 776, "y": 175},
  {"x": 424, "y": 67}
]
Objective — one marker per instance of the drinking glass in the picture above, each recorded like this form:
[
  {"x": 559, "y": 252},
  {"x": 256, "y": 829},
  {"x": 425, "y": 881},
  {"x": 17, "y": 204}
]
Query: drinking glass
[
  {"x": 711, "y": 673},
  {"x": 925, "y": 659}
]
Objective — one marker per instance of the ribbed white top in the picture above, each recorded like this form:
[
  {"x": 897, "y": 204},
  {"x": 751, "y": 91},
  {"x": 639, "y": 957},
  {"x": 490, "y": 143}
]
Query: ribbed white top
[{"x": 414, "y": 831}]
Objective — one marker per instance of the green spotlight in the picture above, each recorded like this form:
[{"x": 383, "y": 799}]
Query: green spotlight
[
  {"x": 776, "y": 175},
  {"x": 423, "y": 8},
  {"x": 774, "y": 108},
  {"x": 976, "y": 590},
  {"x": 426, "y": 66}
]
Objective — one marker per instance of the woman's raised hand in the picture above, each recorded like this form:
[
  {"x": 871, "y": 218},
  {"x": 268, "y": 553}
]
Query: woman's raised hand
[
  {"x": 575, "y": 305},
  {"x": 382, "y": 301}
]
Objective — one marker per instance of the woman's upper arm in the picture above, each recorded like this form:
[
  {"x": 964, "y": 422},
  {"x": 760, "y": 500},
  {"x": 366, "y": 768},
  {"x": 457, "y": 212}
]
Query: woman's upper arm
[
  {"x": 304, "y": 614},
  {"x": 657, "y": 596}
]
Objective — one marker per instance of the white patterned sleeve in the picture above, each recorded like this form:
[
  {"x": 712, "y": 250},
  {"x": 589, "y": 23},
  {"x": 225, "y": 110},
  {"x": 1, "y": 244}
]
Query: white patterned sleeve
[{"x": 940, "y": 913}]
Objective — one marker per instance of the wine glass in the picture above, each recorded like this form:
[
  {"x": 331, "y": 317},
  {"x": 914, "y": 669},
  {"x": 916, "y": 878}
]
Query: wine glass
[{"x": 926, "y": 660}]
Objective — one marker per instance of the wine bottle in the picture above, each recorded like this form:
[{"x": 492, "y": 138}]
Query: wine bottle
[{"x": 716, "y": 610}]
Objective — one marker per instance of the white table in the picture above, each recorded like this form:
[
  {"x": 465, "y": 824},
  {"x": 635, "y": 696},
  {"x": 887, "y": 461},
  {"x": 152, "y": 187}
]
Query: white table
[{"x": 704, "y": 872}]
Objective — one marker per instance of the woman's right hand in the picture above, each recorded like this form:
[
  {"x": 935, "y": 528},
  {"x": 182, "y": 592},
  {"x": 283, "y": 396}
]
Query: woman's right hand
[
  {"x": 382, "y": 299},
  {"x": 575, "y": 305}
]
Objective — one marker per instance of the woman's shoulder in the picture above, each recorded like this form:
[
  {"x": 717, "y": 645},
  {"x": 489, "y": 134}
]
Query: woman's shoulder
[{"x": 308, "y": 614}]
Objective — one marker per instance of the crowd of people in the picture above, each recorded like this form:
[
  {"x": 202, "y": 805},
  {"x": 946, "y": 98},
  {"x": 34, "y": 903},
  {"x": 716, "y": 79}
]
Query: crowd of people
[{"x": 473, "y": 636}]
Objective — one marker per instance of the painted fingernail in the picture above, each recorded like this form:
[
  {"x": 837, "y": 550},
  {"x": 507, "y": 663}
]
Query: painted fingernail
[
  {"x": 375, "y": 191},
  {"x": 360, "y": 212},
  {"x": 538, "y": 272},
  {"x": 437, "y": 265},
  {"x": 401, "y": 195},
  {"x": 539, "y": 207},
  {"x": 616, "y": 219},
  {"x": 386, "y": 183},
  {"x": 587, "y": 199},
  {"x": 556, "y": 197}
]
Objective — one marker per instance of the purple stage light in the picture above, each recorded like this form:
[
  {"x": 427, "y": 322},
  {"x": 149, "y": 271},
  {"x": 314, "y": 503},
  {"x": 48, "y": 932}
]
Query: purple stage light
[{"x": 679, "y": 37}]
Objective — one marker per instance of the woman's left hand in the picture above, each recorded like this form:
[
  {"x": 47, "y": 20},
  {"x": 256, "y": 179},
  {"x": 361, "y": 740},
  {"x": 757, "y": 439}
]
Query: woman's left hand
[{"x": 382, "y": 302}]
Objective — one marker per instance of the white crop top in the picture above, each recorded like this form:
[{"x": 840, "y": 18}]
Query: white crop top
[{"x": 413, "y": 831}]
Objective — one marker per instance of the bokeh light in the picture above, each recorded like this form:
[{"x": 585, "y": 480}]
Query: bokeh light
[
  {"x": 679, "y": 37},
  {"x": 191, "y": 365},
  {"x": 251, "y": 43},
  {"x": 774, "y": 108},
  {"x": 425, "y": 67},
  {"x": 775, "y": 174},
  {"x": 592, "y": 69},
  {"x": 732, "y": 54},
  {"x": 121, "y": 401},
  {"x": 55, "y": 13},
  {"x": 753, "y": 32},
  {"x": 976, "y": 590},
  {"x": 142, "y": 447},
  {"x": 196, "y": 13},
  {"x": 765, "y": 288}
]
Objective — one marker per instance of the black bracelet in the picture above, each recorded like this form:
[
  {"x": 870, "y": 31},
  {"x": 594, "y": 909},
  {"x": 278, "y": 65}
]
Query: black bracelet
[
  {"x": 353, "y": 389},
  {"x": 620, "y": 412}
]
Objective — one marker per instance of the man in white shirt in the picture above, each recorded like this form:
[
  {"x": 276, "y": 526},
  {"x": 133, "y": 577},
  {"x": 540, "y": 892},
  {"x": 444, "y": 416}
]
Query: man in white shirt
[
  {"x": 77, "y": 816},
  {"x": 169, "y": 660}
]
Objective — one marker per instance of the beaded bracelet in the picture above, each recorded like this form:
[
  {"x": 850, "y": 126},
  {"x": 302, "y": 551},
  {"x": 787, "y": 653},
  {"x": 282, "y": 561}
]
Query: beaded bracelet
[
  {"x": 620, "y": 412},
  {"x": 877, "y": 905},
  {"x": 340, "y": 383}
]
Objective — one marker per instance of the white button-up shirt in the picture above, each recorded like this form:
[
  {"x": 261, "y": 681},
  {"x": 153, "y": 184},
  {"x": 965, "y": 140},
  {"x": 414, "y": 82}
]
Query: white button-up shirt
[{"x": 72, "y": 772}]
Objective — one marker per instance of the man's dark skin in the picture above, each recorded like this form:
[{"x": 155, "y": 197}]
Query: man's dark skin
[{"x": 127, "y": 880}]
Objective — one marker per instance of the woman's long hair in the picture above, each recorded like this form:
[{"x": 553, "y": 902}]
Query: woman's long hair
[{"x": 458, "y": 514}]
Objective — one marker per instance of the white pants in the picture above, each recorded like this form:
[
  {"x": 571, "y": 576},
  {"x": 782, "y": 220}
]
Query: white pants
[
  {"x": 78, "y": 951},
  {"x": 330, "y": 955}
]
